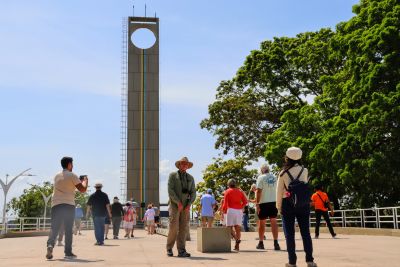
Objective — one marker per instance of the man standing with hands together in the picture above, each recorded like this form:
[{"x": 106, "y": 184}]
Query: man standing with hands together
[{"x": 182, "y": 193}]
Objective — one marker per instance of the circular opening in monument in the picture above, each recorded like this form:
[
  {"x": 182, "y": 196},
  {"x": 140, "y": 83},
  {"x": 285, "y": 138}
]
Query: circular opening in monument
[{"x": 143, "y": 38}]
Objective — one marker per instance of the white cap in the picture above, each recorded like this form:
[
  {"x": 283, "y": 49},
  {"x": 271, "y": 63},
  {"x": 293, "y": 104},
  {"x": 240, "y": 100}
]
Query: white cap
[
  {"x": 97, "y": 185},
  {"x": 294, "y": 153}
]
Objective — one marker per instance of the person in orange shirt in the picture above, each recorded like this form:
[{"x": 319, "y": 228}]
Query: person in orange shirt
[
  {"x": 234, "y": 202},
  {"x": 321, "y": 204}
]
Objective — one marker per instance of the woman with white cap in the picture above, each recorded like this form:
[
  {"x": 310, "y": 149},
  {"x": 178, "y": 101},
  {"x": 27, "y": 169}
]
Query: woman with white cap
[{"x": 293, "y": 202}]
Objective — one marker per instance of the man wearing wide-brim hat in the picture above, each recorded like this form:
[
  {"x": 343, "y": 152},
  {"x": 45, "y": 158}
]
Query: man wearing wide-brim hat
[
  {"x": 182, "y": 193},
  {"x": 99, "y": 206}
]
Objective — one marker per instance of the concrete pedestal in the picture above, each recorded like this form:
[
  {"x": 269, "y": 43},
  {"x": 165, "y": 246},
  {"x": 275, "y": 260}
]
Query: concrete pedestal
[{"x": 216, "y": 239}]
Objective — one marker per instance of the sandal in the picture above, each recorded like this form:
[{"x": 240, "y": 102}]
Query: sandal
[{"x": 237, "y": 245}]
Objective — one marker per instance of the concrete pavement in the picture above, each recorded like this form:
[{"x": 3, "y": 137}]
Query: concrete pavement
[{"x": 144, "y": 250}]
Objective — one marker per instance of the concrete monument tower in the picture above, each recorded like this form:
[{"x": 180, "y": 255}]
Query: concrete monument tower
[{"x": 142, "y": 112}]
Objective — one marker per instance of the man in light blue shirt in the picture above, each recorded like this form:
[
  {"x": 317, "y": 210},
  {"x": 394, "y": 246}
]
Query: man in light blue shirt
[{"x": 207, "y": 204}]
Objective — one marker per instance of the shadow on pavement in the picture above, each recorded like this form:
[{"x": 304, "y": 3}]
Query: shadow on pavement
[
  {"x": 78, "y": 260},
  {"x": 206, "y": 258}
]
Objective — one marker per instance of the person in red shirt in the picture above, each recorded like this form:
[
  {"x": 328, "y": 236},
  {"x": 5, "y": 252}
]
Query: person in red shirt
[
  {"x": 321, "y": 204},
  {"x": 234, "y": 202}
]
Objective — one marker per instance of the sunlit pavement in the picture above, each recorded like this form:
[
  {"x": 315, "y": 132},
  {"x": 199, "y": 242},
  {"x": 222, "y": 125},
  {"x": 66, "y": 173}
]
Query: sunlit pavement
[{"x": 145, "y": 250}]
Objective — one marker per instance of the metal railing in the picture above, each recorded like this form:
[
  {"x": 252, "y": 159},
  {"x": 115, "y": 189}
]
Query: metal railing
[
  {"x": 34, "y": 224},
  {"x": 387, "y": 217}
]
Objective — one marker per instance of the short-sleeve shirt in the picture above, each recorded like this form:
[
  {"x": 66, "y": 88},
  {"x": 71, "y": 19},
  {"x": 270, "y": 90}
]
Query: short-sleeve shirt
[
  {"x": 149, "y": 214},
  {"x": 267, "y": 182},
  {"x": 64, "y": 188},
  {"x": 207, "y": 201},
  {"x": 319, "y": 202},
  {"x": 78, "y": 213},
  {"x": 98, "y": 201},
  {"x": 234, "y": 198},
  {"x": 129, "y": 214},
  {"x": 156, "y": 211}
]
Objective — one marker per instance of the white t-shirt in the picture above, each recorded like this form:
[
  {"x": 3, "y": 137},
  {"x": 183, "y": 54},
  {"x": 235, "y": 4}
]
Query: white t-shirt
[
  {"x": 149, "y": 214},
  {"x": 64, "y": 188},
  {"x": 267, "y": 182}
]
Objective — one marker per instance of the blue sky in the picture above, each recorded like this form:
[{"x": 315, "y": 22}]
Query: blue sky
[{"x": 60, "y": 76}]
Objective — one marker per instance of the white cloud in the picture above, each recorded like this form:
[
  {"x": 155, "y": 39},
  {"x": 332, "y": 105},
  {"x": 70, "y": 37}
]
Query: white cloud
[{"x": 166, "y": 167}]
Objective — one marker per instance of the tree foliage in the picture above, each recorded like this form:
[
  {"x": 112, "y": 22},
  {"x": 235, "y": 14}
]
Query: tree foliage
[
  {"x": 276, "y": 78},
  {"x": 217, "y": 174},
  {"x": 350, "y": 131},
  {"x": 31, "y": 203}
]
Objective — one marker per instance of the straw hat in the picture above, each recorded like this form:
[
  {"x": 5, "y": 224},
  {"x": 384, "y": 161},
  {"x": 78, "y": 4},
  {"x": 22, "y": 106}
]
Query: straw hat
[
  {"x": 184, "y": 159},
  {"x": 294, "y": 153}
]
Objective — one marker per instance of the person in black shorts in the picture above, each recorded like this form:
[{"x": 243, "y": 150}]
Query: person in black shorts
[
  {"x": 266, "y": 205},
  {"x": 157, "y": 216}
]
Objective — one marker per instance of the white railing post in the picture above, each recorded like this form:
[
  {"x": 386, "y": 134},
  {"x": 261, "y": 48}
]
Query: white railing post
[
  {"x": 344, "y": 218},
  {"x": 363, "y": 217},
  {"x": 377, "y": 218}
]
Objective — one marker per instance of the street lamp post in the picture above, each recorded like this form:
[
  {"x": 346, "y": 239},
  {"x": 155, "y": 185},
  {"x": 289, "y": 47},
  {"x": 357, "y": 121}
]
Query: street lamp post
[{"x": 6, "y": 187}]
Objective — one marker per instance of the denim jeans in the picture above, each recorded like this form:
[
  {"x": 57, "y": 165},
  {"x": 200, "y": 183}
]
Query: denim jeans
[
  {"x": 99, "y": 222},
  {"x": 318, "y": 214},
  {"x": 246, "y": 222},
  {"x": 303, "y": 219},
  {"x": 62, "y": 214}
]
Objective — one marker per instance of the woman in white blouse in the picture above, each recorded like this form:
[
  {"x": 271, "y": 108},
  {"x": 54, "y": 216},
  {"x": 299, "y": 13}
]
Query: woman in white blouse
[{"x": 293, "y": 170}]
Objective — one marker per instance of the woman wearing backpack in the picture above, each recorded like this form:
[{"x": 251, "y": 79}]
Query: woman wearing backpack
[{"x": 293, "y": 202}]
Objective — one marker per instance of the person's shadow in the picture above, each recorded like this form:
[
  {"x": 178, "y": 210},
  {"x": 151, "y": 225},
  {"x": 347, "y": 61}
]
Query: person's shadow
[
  {"x": 78, "y": 260},
  {"x": 205, "y": 258}
]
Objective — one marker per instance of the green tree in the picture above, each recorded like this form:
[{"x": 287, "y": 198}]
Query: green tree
[
  {"x": 217, "y": 174},
  {"x": 31, "y": 204},
  {"x": 350, "y": 134},
  {"x": 276, "y": 78}
]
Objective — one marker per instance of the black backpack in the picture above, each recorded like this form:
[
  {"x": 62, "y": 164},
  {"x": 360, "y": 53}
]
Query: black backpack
[{"x": 299, "y": 191}]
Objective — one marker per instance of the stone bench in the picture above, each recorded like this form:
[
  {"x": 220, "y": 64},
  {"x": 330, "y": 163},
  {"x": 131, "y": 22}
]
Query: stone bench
[{"x": 215, "y": 239}]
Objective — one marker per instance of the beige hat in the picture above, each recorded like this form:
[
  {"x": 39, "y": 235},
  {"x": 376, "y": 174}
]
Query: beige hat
[
  {"x": 294, "y": 153},
  {"x": 98, "y": 185},
  {"x": 184, "y": 159}
]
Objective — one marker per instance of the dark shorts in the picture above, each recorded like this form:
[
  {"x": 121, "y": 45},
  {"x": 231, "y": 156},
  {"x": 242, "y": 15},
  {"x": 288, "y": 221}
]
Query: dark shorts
[
  {"x": 156, "y": 219},
  {"x": 268, "y": 210},
  {"x": 107, "y": 220}
]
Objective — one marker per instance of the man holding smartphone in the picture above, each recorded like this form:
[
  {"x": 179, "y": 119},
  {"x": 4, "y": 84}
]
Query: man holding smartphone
[{"x": 63, "y": 206}]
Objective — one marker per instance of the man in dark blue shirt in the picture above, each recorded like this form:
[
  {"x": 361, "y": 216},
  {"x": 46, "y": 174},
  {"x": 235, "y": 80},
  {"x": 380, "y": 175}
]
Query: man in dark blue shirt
[{"x": 99, "y": 206}]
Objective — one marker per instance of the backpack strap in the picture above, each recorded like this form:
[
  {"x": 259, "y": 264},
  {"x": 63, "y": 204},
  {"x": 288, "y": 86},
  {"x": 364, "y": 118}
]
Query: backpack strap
[
  {"x": 298, "y": 176},
  {"x": 300, "y": 173}
]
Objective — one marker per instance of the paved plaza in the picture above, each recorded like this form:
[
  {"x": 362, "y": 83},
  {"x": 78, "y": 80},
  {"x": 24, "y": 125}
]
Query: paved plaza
[{"x": 144, "y": 250}]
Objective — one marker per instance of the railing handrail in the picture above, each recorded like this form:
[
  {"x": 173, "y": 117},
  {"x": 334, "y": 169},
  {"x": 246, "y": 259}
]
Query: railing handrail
[{"x": 341, "y": 218}]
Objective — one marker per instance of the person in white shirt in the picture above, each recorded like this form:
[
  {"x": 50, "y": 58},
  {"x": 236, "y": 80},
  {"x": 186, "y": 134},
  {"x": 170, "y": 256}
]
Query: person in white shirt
[
  {"x": 266, "y": 205},
  {"x": 149, "y": 219},
  {"x": 63, "y": 206},
  {"x": 293, "y": 202}
]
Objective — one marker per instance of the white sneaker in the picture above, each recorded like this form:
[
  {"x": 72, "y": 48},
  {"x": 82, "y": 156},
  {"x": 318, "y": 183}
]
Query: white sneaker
[{"x": 60, "y": 244}]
